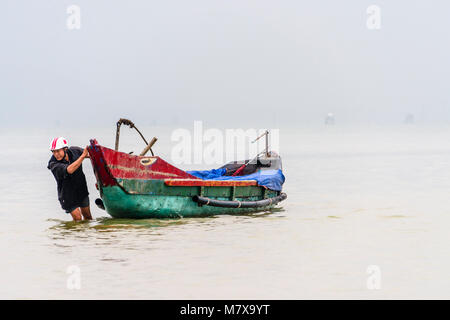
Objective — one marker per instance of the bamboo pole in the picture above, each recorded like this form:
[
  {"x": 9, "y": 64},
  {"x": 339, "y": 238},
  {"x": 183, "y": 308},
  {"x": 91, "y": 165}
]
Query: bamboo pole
[{"x": 148, "y": 147}]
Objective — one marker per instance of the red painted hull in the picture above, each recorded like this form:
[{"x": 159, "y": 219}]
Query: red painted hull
[{"x": 110, "y": 165}]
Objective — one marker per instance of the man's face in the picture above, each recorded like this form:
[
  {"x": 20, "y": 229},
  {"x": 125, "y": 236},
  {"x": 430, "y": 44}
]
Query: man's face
[{"x": 59, "y": 154}]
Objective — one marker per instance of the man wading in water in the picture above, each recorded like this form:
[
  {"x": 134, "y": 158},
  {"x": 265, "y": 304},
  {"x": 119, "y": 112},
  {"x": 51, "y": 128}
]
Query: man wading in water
[{"x": 65, "y": 165}]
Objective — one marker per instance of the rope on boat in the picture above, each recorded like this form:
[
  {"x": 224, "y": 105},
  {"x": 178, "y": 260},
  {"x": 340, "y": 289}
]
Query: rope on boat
[
  {"x": 238, "y": 204},
  {"x": 131, "y": 125}
]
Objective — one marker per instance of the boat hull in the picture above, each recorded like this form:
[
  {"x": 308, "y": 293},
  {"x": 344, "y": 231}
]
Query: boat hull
[
  {"x": 119, "y": 204},
  {"x": 148, "y": 187}
]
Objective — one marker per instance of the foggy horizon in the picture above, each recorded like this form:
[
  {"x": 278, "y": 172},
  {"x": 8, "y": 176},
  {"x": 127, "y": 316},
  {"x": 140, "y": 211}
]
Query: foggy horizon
[{"x": 233, "y": 63}]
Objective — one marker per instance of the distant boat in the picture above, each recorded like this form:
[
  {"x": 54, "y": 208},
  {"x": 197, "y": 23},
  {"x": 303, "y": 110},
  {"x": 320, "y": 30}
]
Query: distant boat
[
  {"x": 409, "y": 119},
  {"x": 329, "y": 119},
  {"x": 142, "y": 186}
]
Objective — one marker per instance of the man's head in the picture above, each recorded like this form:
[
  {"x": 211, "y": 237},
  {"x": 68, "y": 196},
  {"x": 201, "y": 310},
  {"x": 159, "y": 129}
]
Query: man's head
[
  {"x": 58, "y": 147},
  {"x": 59, "y": 153}
]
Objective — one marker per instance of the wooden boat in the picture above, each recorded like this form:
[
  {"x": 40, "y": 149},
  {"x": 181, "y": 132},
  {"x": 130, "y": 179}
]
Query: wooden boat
[{"x": 133, "y": 186}]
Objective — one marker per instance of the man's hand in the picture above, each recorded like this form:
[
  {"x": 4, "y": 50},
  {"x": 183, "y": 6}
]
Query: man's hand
[{"x": 85, "y": 153}]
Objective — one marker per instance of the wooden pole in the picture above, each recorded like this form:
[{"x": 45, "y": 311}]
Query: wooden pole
[
  {"x": 152, "y": 142},
  {"x": 117, "y": 137}
]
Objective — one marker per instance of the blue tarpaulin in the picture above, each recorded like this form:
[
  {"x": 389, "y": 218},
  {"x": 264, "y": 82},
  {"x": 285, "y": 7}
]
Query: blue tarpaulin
[{"x": 272, "y": 179}]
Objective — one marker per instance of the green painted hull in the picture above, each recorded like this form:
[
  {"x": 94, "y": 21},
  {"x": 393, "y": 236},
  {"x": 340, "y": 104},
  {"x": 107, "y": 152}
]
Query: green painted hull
[{"x": 120, "y": 204}]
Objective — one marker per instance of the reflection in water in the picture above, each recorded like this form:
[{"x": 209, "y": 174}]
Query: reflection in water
[
  {"x": 135, "y": 234},
  {"x": 105, "y": 224},
  {"x": 108, "y": 231}
]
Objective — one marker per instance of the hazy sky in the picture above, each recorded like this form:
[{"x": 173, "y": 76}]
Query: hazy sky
[{"x": 223, "y": 61}]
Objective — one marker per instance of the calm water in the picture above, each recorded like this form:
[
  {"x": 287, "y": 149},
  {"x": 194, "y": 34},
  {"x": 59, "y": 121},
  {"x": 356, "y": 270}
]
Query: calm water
[{"x": 356, "y": 197}]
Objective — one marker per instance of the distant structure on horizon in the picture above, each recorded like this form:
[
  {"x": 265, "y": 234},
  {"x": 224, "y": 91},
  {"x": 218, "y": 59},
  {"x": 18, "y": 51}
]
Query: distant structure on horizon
[
  {"x": 329, "y": 119},
  {"x": 409, "y": 119}
]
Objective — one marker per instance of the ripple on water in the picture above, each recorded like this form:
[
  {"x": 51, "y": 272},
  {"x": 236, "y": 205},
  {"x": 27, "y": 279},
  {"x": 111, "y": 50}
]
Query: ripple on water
[
  {"x": 140, "y": 234},
  {"x": 394, "y": 216}
]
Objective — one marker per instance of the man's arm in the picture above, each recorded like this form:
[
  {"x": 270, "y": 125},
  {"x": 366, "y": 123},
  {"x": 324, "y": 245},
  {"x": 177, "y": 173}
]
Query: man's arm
[
  {"x": 77, "y": 163},
  {"x": 80, "y": 150}
]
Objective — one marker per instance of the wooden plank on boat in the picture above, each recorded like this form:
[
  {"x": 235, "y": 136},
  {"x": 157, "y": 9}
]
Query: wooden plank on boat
[{"x": 209, "y": 183}]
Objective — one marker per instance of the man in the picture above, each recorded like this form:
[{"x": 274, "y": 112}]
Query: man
[{"x": 65, "y": 164}]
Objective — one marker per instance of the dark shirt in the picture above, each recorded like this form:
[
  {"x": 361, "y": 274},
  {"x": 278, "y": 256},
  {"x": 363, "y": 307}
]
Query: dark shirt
[{"x": 72, "y": 188}]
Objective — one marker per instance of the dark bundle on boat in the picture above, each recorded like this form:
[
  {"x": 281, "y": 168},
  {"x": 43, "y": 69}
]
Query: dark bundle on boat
[{"x": 252, "y": 165}]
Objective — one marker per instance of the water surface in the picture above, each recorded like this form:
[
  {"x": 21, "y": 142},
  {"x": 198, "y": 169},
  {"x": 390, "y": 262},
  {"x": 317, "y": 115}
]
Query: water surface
[{"x": 357, "y": 196}]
